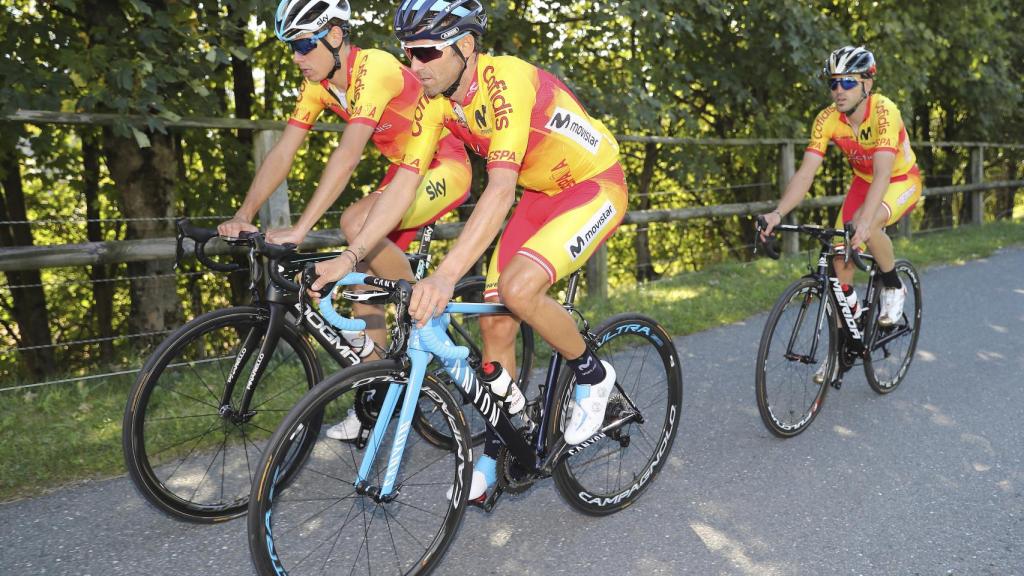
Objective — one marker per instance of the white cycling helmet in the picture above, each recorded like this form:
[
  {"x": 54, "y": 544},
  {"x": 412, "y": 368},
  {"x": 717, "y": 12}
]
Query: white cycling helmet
[
  {"x": 850, "y": 60},
  {"x": 295, "y": 17}
]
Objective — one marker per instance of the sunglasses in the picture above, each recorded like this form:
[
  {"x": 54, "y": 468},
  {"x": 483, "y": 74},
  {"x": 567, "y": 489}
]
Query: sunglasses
[
  {"x": 430, "y": 52},
  {"x": 304, "y": 46},
  {"x": 848, "y": 83}
]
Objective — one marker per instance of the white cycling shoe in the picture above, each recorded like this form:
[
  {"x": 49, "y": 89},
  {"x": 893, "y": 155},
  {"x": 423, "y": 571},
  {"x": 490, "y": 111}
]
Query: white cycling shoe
[
  {"x": 478, "y": 487},
  {"x": 347, "y": 429},
  {"x": 892, "y": 305},
  {"x": 589, "y": 403}
]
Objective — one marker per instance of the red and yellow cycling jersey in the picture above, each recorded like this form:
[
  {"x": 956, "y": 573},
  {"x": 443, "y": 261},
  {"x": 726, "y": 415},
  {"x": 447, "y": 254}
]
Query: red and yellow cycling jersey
[
  {"x": 520, "y": 117},
  {"x": 882, "y": 130},
  {"x": 381, "y": 93}
]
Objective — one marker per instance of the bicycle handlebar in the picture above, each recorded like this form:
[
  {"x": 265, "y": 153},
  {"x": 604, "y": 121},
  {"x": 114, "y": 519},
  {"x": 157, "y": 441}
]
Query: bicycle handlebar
[
  {"x": 823, "y": 235},
  {"x": 436, "y": 340},
  {"x": 255, "y": 240}
]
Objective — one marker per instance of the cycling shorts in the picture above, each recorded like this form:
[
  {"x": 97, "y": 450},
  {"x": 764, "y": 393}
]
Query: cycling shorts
[
  {"x": 444, "y": 188},
  {"x": 559, "y": 233},
  {"x": 900, "y": 198}
]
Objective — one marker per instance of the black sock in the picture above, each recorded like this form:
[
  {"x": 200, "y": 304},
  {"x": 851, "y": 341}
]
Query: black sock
[
  {"x": 890, "y": 279},
  {"x": 588, "y": 368}
]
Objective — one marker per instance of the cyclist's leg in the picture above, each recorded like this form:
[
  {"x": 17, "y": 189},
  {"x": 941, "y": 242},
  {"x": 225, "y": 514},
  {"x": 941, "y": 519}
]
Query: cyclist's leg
[{"x": 548, "y": 238}]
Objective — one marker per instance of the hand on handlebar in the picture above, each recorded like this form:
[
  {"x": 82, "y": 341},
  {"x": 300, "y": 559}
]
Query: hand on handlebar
[
  {"x": 861, "y": 232},
  {"x": 331, "y": 271},
  {"x": 233, "y": 228},
  {"x": 285, "y": 236},
  {"x": 770, "y": 220},
  {"x": 429, "y": 298}
]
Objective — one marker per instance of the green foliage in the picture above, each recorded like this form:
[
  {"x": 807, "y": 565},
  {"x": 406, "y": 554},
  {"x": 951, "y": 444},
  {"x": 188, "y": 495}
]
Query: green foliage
[{"x": 700, "y": 69}]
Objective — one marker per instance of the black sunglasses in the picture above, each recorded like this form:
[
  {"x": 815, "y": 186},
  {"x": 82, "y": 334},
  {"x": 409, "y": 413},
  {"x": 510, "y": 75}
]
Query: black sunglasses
[
  {"x": 429, "y": 53},
  {"x": 848, "y": 83},
  {"x": 306, "y": 45}
]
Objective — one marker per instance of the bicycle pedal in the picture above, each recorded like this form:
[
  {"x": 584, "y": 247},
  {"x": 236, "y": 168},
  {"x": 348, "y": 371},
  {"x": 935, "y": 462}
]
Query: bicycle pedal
[{"x": 364, "y": 436}]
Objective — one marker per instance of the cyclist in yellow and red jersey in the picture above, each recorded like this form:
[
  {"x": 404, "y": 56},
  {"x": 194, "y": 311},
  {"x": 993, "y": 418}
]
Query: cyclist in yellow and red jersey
[
  {"x": 886, "y": 185},
  {"x": 533, "y": 132},
  {"x": 377, "y": 96}
]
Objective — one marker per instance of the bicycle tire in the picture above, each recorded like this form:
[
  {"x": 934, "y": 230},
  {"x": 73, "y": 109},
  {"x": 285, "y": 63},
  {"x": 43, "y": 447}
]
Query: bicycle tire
[
  {"x": 320, "y": 523},
  {"x": 173, "y": 420},
  {"x": 788, "y": 404},
  {"x": 471, "y": 289},
  {"x": 884, "y": 368},
  {"x": 648, "y": 370}
]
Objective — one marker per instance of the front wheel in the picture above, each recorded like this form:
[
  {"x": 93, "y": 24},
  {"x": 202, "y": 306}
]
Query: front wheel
[
  {"x": 609, "y": 472},
  {"x": 190, "y": 451},
  {"x": 320, "y": 523},
  {"x": 796, "y": 360},
  {"x": 891, "y": 348}
]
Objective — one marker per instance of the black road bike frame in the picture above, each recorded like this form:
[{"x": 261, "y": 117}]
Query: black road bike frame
[{"x": 856, "y": 337}]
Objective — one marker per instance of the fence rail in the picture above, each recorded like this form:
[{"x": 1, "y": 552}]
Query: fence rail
[{"x": 277, "y": 211}]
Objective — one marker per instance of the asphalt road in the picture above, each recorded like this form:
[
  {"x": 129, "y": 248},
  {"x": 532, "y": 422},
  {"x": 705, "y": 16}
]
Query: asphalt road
[{"x": 927, "y": 480}]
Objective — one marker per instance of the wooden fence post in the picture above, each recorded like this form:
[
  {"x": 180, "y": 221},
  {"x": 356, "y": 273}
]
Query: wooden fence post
[
  {"x": 597, "y": 273},
  {"x": 977, "y": 177},
  {"x": 787, "y": 167},
  {"x": 275, "y": 213}
]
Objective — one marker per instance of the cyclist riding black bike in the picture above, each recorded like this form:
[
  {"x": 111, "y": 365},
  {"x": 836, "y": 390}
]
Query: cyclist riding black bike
[
  {"x": 886, "y": 185},
  {"x": 376, "y": 95}
]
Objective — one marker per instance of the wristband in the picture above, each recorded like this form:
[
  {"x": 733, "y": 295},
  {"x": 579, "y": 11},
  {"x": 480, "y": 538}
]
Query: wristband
[
  {"x": 355, "y": 257},
  {"x": 779, "y": 213}
]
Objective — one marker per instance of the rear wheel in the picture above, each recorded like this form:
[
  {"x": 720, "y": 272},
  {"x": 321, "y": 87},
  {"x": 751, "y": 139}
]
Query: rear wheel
[
  {"x": 609, "y": 472},
  {"x": 892, "y": 348},
  {"x": 796, "y": 360}
]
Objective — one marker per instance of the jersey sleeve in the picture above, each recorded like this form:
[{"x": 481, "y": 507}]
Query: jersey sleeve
[
  {"x": 424, "y": 134},
  {"x": 821, "y": 131},
  {"x": 310, "y": 105},
  {"x": 889, "y": 123},
  {"x": 376, "y": 79},
  {"x": 512, "y": 109}
]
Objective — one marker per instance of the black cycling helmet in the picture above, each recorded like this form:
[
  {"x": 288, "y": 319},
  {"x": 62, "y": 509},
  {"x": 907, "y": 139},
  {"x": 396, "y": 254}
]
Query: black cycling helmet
[
  {"x": 438, "y": 19},
  {"x": 848, "y": 61}
]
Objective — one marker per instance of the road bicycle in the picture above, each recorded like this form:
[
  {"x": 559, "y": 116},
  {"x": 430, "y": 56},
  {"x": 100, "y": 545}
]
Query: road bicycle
[
  {"x": 214, "y": 390},
  {"x": 812, "y": 337},
  {"x": 395, "y": 506}
]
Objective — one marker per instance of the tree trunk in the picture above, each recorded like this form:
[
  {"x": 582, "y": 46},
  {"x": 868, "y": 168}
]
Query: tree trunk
[
  {"x": 1006, "y": 198},
  {"x": 102, "y": 288},
  {"x": 30, "y": 302},
  {"x": 645, "y": 271},
  {"x": 146, "y": 179}
]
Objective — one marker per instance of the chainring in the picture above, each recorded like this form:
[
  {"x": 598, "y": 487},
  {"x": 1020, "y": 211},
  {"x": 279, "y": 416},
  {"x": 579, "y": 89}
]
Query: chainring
[{"x": 513, "y": 477}]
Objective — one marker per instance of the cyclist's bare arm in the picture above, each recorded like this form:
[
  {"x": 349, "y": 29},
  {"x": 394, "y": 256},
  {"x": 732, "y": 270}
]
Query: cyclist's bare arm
[
  {"x": 271, "y": 173},
  {"x": 335, "y": 178},
  {"x": 796, "y": 190},
  {"x": 384, "y": 217}
]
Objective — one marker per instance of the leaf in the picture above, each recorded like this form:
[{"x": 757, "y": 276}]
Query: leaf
[
  {"x": 240, "y": 53},
  {"x": 144, "y": 9},
  {"x": 140, "y": 138}
]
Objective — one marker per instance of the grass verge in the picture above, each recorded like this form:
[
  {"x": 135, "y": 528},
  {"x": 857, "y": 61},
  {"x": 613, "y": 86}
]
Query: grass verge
[{"x": 64, "y": 433}]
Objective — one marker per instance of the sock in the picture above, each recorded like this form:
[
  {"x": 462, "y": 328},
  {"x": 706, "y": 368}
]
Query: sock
[
  {"x": 488, "y": 467},
  {"x": 588, "y": 368},
  {"x": 890, "y": 279}
]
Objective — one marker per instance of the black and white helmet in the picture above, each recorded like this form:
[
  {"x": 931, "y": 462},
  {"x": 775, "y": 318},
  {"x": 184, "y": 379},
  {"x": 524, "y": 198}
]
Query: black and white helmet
[
  {"x": 295, "y": 17},
  {"x": 848, "y": 61},
  {"x": 439, "y": 20}
]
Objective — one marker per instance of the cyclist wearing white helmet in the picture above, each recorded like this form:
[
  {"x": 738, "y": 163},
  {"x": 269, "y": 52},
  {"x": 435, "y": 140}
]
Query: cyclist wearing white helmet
[
  {"x": 377, "y": 96},
  {"x": 535, "y": 134},
  {"x": 886, "y": 185}
]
